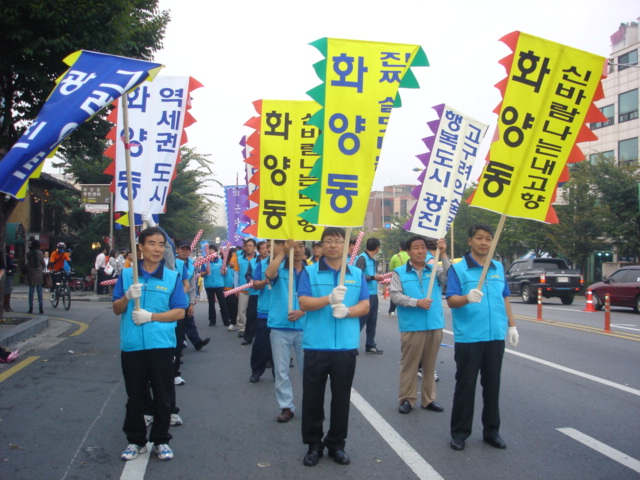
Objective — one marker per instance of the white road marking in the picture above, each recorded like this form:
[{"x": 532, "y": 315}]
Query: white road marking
[
  {"x": 135, "y": 469},
  {"x": 422, "y": 469},
  {"x": 625, "y": 326},
  {"x": 602, "y": 448},
  {"x": 577, "y": 373}
]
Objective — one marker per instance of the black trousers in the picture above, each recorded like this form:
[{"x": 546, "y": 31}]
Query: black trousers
[
  {"x": 473, "y": 358},
  {"x": 252, "y": 318},
  {"x": 141, "y": 369},
  {"x": 212, "y": 294},
  {"x": 340, "y": 367},
  {"x": 261, "y": 349},
  {"x": 232, "y": 307}
]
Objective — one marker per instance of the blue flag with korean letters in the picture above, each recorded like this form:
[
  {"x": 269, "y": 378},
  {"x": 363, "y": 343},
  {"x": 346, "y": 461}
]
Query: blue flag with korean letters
[{"x": 92, "y": 82}]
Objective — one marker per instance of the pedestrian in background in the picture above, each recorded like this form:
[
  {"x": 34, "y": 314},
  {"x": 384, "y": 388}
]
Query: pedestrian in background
[{"x": 35, "y": 274}]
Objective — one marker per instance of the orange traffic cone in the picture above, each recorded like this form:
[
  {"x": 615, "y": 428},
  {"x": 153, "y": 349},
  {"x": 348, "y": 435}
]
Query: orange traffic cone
[
  {"x": 386, "y": 291},
  {"x": 589, "y": 306}
]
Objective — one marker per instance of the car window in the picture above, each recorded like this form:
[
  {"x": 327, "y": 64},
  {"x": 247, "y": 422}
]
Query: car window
[
  {"x": 514, "y": 268},
  {"x": 618, "y": 276},
  {"x": 632, "y": 276}
]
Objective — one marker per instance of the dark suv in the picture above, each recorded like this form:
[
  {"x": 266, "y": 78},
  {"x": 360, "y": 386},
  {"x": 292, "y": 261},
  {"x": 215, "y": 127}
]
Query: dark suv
[{"x": 623, "y": 287}]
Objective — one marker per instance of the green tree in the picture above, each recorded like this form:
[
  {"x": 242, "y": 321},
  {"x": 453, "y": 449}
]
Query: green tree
[{"x": 35, "y": 36}]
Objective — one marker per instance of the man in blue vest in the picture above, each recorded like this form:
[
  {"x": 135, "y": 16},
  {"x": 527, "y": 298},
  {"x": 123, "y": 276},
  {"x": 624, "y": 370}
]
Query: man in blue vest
[
  {"x": 420, "y": 320},
  {"x": 286, "y": 326},
  {"x": 330, "y": 342},
  {"x": 480, "y": 321},
  {"x": 247, "y": 306},
  {"x": 147, "y": 342},
  {"x": 367, "y": 263}
]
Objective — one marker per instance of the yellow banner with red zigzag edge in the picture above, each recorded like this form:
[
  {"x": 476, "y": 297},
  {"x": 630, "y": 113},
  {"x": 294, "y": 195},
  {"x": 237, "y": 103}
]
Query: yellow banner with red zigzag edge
[
  {"x": 282, "y": 153},
  {"x": 547, "y": 98}
]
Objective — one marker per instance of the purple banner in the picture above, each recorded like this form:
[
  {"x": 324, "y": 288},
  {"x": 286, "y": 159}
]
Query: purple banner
[{"x": 236, "y": 199}]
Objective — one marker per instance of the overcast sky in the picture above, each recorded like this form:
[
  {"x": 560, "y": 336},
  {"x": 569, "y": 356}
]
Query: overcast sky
[{"x": 255, "y": 49}]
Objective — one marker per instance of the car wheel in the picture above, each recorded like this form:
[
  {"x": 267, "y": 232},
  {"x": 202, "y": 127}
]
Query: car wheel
[
  {"x": 567, "y": 299},
  {"x": 526, "y": 294},
  {"x": 597, "y": 301},
  {"x": 636, "y": 306}
]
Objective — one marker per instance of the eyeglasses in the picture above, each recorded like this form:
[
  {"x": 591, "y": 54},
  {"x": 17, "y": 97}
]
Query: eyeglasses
[{"x": 333, "y": 242}]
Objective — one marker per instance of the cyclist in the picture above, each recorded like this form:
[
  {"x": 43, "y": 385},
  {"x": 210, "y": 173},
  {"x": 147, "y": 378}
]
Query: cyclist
[{"x": 57, "y": 261}]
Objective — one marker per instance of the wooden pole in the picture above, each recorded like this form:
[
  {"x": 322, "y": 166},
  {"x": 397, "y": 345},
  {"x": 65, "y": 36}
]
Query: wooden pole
[
  {"x": 291, "y": 275},
  {"x": 345, "y": 255},
  {"x": 132, "y": 226},
  {"x": 434, "y": 271},
  {"x": 492, "y": 249}
]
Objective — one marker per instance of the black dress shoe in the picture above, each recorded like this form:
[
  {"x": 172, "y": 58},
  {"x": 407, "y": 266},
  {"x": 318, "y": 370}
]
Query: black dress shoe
[
  {"x": 496, "y": 442},
  {"x": 405, "y": 407},
  {"x": 254, "y": 378},
  {"x": 312, "y": 457},
  {"x": 246, "y": 342},
  {"x": 340, "y": 456},
  {"x": 457, "y": 444},
  {"x": 202, "y": 343},
  {"x": 435, "y": 406}
]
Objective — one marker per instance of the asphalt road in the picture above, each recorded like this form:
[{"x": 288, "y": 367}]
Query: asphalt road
[{"x": 569, "y": 404}]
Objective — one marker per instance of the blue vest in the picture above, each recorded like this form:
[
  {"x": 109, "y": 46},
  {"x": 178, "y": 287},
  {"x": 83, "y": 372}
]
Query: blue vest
[
  {"x": 243, "y": 266},
  {"x": 278, "y": 309},
  {"x": 487, "y": 320},
  {"x": 155, "y": 298},
  {"x": 322, "y": 331},
  {"x": 180, "y": 266},
  {"x": 413, "y": 319},
  {"x": 214, "y": 279},
  {"x": 369, "y": 271},
  {"x": 264, "y": 298}
]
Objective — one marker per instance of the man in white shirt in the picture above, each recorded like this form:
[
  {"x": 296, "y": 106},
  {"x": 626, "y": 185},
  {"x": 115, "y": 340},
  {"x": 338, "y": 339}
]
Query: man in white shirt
[{"x": 101, "y": 262}]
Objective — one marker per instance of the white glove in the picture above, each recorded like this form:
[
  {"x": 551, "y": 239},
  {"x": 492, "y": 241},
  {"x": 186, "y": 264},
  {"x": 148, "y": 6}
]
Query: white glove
[
  {"x": 513, "y": 337},
  {"x": 337, "y": 294},
  {"x": 141, "y": 316},
  {"x": 475, "y": 296},
  {"x": 340, "y": 310},
  {"x": 134, "y": 291},
  {"x": 148, "y": 219}
]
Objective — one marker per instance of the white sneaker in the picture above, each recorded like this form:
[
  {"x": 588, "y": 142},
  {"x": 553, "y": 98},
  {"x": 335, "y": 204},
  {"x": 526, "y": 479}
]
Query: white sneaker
[
  {"x": 231, "y": 327},
  {"x": 175, "y": 420},
  {"x": 164, "y": 451},
  {"x": 435, "y": 376},
  {"x": 392, "y": 314},
  {"x": 178, "y": 381},
  {"x": 132, "y": 451},
  {"x": 419, "y": 373},
  {"x": 148, "y": 419}
]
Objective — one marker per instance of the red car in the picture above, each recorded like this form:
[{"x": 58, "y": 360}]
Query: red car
[{"x": 623, "y": 287}]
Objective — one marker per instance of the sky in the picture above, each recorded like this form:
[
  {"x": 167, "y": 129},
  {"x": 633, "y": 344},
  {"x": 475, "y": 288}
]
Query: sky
[{"x": 256, "y": 49}]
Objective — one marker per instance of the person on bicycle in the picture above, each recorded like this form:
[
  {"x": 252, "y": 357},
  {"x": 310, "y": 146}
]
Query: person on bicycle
[{"x": 57, "y": 259}]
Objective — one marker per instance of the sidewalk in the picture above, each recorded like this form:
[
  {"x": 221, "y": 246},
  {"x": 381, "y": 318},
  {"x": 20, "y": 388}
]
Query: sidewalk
[{"x": 33, "y": 324}]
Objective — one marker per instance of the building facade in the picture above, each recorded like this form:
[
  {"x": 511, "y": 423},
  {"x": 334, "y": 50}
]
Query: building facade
[
  {"x": 618, "y": 135},
  {"x": 390, "y": 203}
]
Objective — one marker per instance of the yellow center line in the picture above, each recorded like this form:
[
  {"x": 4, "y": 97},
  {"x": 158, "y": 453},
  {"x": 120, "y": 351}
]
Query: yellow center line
[
  {"x": 583, "y": 328},
  {"x": 17, "y": 367}
]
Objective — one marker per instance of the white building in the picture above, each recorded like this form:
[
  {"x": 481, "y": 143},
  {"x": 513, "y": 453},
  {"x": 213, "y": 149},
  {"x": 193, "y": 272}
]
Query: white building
[{"x": 618, "y": 136}]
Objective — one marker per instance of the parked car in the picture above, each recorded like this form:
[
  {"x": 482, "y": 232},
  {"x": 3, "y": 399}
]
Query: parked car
[
  {"x": 623, "y": 287},
  {"x": 551, "y": 275}
]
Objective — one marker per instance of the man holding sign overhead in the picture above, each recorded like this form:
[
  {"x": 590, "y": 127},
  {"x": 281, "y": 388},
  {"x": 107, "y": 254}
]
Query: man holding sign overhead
[
  {"x": 330, "y": 341},
  {"x": 481, "y": 314}
]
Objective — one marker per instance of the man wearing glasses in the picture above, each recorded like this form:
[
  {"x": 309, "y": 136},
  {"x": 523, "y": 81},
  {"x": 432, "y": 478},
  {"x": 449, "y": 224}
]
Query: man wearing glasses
[{"x": 330, "y": 342}]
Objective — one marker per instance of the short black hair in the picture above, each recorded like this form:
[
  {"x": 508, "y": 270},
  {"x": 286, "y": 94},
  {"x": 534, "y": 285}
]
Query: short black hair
[
  {"x": 473, "y": 229},
  {"x": 333, "y": 232},
  {"x": 147, "y": 232},
  {"x": 372, "y": 244},
  {"x": 260, "y": 243},
  {"x": 247, "y": 240},
  {"x": 415, "y": 238}
]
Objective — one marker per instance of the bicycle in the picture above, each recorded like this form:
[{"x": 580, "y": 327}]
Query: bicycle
[
  {"x": 60, "y": 290},
  {"x": 80, "y": 284}
]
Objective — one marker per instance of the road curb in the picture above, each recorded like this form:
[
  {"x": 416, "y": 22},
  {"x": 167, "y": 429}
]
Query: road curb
[{"x": 24, "y": 330}]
